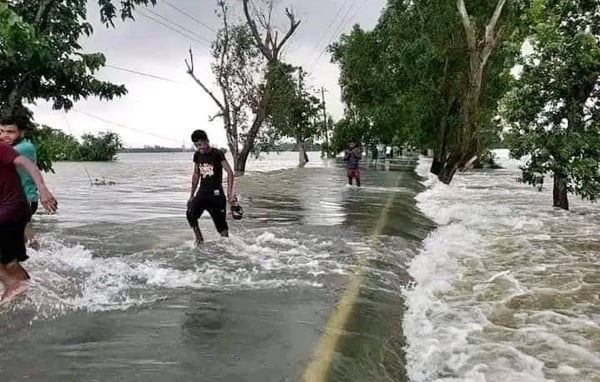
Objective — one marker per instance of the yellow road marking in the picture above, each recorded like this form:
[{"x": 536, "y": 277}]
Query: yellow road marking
[{"x": 321, "y": 361}]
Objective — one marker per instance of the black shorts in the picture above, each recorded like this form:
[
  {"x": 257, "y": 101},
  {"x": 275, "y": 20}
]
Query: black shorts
[
  {"x": 12, "y": 242},
  {"x": 33, "y": 207},
  {"x": 216, "y": 205}
]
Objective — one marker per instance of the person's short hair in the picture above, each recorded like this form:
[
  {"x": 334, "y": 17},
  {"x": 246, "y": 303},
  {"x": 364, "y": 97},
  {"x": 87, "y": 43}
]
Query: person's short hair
[
  {"x": 20, "y": 122},
  {"x": 199, "y": 135}
]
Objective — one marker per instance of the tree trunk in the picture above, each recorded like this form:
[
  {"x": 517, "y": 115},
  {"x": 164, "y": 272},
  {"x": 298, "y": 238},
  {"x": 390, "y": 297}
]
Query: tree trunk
[
  {"x": 449, "y": 169},
  {"x": 480, "y": 50},
  {"x": 437, "y": 165},
  {"x": 239, "y": 162},
  {"x": 560, "y": 195}
]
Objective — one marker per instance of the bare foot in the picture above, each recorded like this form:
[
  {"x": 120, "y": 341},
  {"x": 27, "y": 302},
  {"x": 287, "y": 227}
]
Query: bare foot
[{"x": 14, "y": 290}]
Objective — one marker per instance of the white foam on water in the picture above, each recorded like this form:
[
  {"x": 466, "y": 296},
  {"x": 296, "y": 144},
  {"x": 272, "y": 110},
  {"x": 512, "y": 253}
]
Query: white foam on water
[
  {"x": 506, "y": 288},
  {"x": 73, "y": 278}
]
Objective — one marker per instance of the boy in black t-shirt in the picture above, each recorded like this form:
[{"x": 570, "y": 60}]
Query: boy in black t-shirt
[{"x": 209, "y": 163}]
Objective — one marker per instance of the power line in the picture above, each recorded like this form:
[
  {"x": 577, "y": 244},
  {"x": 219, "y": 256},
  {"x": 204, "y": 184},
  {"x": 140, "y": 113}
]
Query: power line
[
  {"x": 324, "y": 36},
  {"x": 172, "y": 29},
  {"x": 189, "y": 16},
  {"x": 143, "y": 74},
  {"x": 187, "y": 30},
  {"x": 343, "y": 23},
  {"x": 123, "y": 126},
  {"x": 333, "y": 36}
]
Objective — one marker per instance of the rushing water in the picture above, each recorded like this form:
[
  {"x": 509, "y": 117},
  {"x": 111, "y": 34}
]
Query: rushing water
[
  {"x": 501, "y": 288},
  {"x": 507, "y": 288},
  {"x": 119, "y": 292}
]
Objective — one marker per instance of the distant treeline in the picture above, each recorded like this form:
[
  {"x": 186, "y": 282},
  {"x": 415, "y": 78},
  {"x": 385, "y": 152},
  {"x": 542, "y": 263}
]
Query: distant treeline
[
  {"x": 308, "y": 146},
  {"x": 161, "y": 149},
  {"x": 156, "y": 149}
]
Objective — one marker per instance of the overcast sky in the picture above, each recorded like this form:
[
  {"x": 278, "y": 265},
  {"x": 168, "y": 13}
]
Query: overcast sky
[{"x": 159, "y": 112}]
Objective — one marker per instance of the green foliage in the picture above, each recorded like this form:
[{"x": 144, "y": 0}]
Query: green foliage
[
  {"x": 101, "y": 147},
  {"x": 409, "y": 76},
  {"x": 238, "y": 67},
  {"x": 40, "y": 55},
  {"x": 554, "y": 107},
  {"x": 54, "y": 145},
  {"x": 346, "y": 131},
  {"x": 294, "y": 110},
  {"x": 108, "y": 11}
]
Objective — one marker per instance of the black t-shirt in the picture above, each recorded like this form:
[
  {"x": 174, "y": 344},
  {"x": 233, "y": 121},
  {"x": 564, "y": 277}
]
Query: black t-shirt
[{"x": 210, "y": 168}]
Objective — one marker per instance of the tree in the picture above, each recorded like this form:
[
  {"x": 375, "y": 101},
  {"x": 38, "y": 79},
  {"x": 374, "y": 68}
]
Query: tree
[
  {"x": 53, "y": 145},
  {"x": 295, "y": 111},
  {"x": 415, "y": 78},
  {"x": 554, "y": 108},
  {"x": 99, "y": 148},
  {"x": 40, "y": 55},
  {"x": 346, "y": 131},
  {"x": 481, "y": 45},
  {"x": 244, "y": 56}
]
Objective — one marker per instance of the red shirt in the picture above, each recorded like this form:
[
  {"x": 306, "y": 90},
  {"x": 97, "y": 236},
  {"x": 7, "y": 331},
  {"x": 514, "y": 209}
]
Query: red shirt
[{"x": 13, "y": 204}]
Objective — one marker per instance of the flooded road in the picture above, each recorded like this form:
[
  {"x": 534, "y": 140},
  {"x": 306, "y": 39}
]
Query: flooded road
[
  {"x": 405, "y": 279},
  {"x": 120, "y": 293}
]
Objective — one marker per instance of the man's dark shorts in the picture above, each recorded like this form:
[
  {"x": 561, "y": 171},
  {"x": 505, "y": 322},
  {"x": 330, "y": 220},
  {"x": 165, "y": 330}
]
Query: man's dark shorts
[
  {"x": 216, "y": 205},
  {"x": 12, "y": 242}
]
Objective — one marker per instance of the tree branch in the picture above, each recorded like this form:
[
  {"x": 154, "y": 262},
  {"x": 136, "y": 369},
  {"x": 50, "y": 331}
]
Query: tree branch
[
  {"x": 466, "y": 21},
  {"x": 266, "y": 52},
  {"x": 218, "y": 115},
  {"x": 489, "y": 29},
  {"x": 293, "y": 26},
  {"x": 489, "y": 48},
  {"x": 190, "y": 67}
]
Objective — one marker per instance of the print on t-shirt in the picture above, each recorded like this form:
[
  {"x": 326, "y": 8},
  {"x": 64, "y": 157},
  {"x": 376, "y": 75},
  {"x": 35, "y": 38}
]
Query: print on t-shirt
[
  {"x": 206, "y": 170},
  {"x": 210, "y": 168}
]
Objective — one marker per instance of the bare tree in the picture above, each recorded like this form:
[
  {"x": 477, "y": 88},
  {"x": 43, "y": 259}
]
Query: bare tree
[{"x": 243, "y": 58}]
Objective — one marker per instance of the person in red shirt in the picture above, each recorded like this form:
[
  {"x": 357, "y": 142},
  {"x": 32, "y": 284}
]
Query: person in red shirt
[{"x": 14, "y": 214}]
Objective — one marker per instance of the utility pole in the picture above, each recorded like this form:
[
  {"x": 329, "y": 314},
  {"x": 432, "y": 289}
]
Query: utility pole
[
  {"x": 325, "y": 123},
  {"x": 300, "y": 124}
]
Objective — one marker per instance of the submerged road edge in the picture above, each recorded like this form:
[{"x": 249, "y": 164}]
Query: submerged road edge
[{"x": 319, "y": 366}]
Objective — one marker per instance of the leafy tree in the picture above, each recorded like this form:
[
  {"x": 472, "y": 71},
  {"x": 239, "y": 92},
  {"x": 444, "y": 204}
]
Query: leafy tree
[
  {"x": 53, "y": 145},
  {"x": 430, "y": 74},
  {"x": 346, "y": 131},
  {"x": 554, "y": 108},
  {"x": 295, "y": 110},
  {"x": 40, "y": 55},
  {"x": 99, "y": 148}
]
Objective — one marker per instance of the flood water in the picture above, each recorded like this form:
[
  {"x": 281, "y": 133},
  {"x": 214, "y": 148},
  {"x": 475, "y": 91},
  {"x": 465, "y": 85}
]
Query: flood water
[
  {"x": 507, "y": 288},
  {"x": 119, "y": 291},
  {"x": 479, "y": 281}
]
